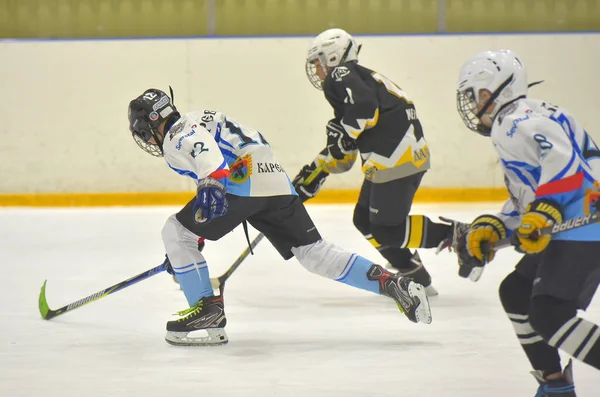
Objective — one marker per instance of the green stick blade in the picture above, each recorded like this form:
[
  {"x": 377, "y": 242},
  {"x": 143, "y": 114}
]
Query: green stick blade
[{"x": 42, "y": 303}]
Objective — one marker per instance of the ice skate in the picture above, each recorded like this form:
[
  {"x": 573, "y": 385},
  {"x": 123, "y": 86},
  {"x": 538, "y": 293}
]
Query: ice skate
[
  {"x": 562, "y": 387},
  {"x": 411, "y": 297},
  {"x": 450, "y": 242},
  {"x": 417, "y": 272},
  {"x": 203, "y": 324}
]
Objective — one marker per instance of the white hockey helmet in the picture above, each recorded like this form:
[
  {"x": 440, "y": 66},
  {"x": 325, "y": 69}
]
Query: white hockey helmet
[
  {"x": 330, "y": 48},
  {"x": 501, "y": 73}
]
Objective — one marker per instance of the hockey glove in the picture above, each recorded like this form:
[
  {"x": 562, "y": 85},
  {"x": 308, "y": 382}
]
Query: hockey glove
[
  {"x": 540, "y": 214},
  {"x": 210, "y": 200},
  {"x": 168, "y": 267},
  {"x": 338, "y": 143},
  {"x": 309, "y": 190},
  {"x": 473, "y": 246}
]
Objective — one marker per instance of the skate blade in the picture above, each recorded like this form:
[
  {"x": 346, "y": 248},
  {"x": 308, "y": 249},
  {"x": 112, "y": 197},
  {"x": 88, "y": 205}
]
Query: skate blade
[
  {"x": 431, "y": 291},
  {"x": 205, "y": 337},
  {"x": 423, "y": 311}
]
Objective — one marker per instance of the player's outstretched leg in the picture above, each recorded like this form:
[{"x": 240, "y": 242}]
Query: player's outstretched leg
[
  {"x": 451, "y": 240},
  {"x": 410, "y": 266},
  {"x": 203, "y": 323},
  {"x": 410, "y": 297},
  {"x": 400, "y": 260},
  {"x": 332, "y": 262}
]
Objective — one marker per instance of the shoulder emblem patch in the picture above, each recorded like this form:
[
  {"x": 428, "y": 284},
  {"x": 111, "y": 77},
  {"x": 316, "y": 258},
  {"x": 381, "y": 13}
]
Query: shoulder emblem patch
[
  {"x": 176, "y": 129},
  {"x": 340, "y": 72}
]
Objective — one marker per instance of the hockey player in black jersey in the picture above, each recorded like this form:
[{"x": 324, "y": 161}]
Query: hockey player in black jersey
[{"x": 374, "y": 116}]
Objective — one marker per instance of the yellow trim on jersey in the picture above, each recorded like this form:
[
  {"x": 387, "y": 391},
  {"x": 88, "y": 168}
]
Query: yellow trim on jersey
[
  {"x": 368, "y": 123},
  {"x": 415, "y": 231},
  {"x": 334, "y": 166},
  {"x": 408, "y": 157},
  {"x": 391, "y": 87}
]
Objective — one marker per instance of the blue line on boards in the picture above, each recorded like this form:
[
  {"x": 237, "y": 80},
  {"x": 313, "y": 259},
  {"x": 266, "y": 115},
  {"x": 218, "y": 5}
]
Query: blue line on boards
[{"x": 446, "y": 34}]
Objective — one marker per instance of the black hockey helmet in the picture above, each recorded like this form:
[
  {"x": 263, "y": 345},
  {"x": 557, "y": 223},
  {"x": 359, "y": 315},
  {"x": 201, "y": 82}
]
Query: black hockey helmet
[{"x": 146, "y": 113}]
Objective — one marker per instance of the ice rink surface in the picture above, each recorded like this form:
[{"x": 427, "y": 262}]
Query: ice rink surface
[{"x": 291, "y": 333}]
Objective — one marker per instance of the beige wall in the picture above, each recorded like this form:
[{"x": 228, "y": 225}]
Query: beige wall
[{"x": 64, "y": 108}]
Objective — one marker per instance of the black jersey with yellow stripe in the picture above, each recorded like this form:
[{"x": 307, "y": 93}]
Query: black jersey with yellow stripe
[{"x": 377, "y": 113}]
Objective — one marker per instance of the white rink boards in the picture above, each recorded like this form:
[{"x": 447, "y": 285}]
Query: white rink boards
[{"x": 291, "y": 333}]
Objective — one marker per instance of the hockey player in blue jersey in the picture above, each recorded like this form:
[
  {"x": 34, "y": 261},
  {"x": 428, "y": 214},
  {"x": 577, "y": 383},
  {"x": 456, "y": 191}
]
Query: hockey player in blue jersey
[
  {"x": 239, "y": 179},
  {"x": 551, "y": 167}
]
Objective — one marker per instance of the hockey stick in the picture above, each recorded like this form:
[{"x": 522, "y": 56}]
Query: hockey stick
[
  {"x": 315, "y": 174},
  {"x": 218, "y": 283},
  {"x": 569, "y": 224},
  {"x": 48, "y": 313},
  {"x": 474, "y": 272}
]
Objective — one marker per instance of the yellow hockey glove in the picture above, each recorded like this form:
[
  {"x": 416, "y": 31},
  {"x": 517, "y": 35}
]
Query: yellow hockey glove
[
  {"x": 484, "y": 229},
  {"x": 540, "y": 214},
  {"x": 471, "y": 246}
]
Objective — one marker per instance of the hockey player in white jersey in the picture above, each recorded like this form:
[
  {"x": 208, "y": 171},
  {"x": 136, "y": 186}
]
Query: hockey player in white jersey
[
  {"x": 551, "y": 167},
  {"x": 239, "y": 179}
]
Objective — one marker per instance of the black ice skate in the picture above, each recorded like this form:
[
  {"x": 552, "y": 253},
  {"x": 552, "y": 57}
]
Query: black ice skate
[
  {"x": 562, "y": 387},
  {"x": 417, "y": 272},
  {"x": 410, "y": 297},
  {"x": 203, "y": 324},
  {"x": 451, "y": 241}
]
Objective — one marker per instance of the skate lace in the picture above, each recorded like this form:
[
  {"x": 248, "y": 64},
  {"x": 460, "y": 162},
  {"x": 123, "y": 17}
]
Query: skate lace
[{"x": 189, "y": 312}]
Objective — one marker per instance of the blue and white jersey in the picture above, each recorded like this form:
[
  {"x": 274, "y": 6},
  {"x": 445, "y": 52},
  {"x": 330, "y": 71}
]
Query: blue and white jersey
[
  {"x": 545, "y": 153},
  {"x": 207, "y": 143}
]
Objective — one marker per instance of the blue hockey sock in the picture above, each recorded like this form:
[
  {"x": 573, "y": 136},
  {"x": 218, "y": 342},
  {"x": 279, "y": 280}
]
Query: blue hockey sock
[
  {"x": 355, "y": 274},
  {"x": 194, "y": 280}
]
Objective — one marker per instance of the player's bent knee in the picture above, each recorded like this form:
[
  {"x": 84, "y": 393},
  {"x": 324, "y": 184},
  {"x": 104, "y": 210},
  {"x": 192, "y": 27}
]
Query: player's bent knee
[
  {"x": 548, "y": 314},
  {"x": 394, "y": 236},
  {"x": 515, "y": 293},
  {"x": 176, "y": 237},
  {"x": 322, "y": 258}
]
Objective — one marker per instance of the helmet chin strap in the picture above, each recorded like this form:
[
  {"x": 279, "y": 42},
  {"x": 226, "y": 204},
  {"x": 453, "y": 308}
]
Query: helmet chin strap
[
  {"x": 345, "y": 54},
  {"x": 169, "y": 123},
  {"x": 172, "y": 95},
  {"x": 495, "y": 94},
  {"x": 483, "y": 129},
  {"x": 159, "y": 142},
  {"x": 170, "y": 120}
]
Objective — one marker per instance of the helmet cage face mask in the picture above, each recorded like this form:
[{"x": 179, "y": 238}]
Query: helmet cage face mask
[
  {"x": 466, "y": 103},
  {"x": 152, "y": 148},
  {"x": 312, "y": 74}
]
